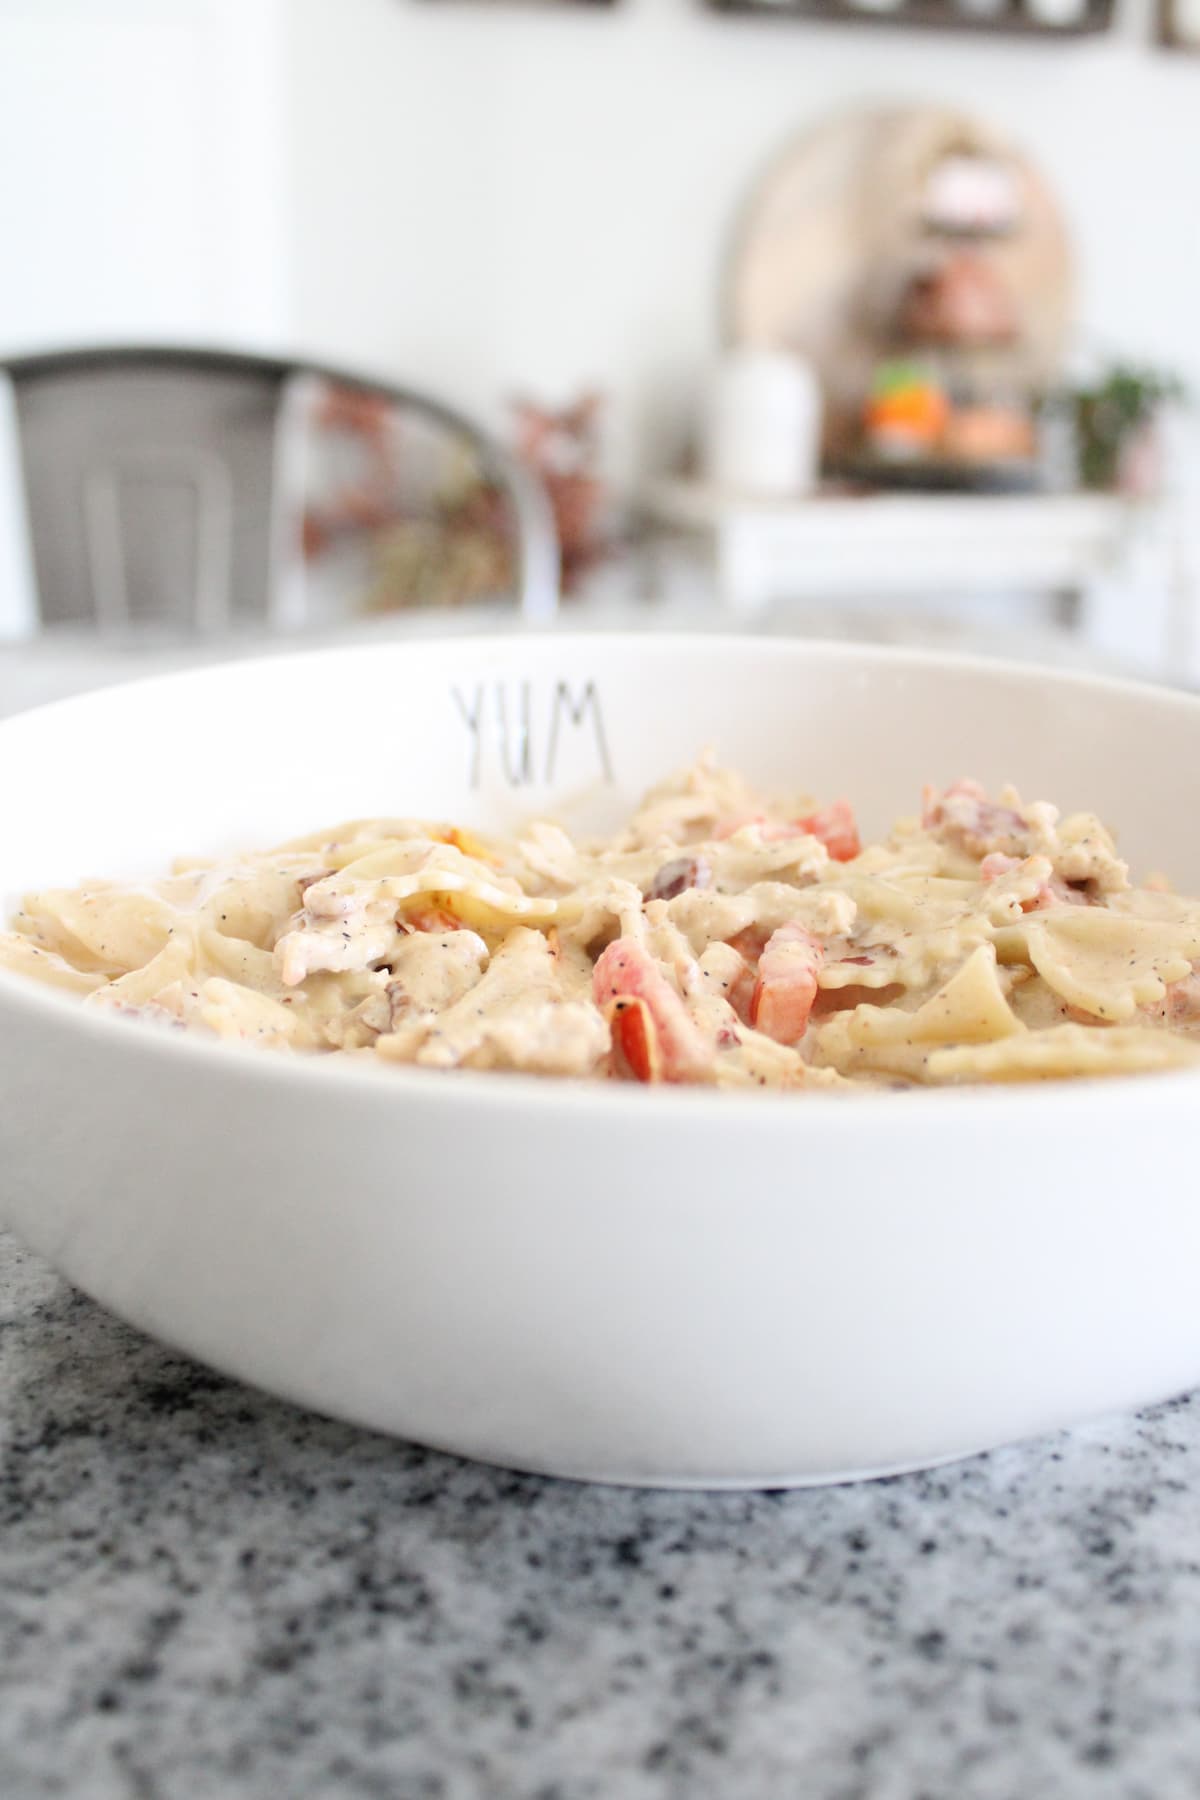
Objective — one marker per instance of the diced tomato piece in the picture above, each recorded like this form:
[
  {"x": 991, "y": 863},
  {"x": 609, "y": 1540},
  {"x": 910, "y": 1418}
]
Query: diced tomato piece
[
  {"x": 787, "y": 984},
  {"x": 636, "y": 1039},
  {"x": 837, "y": 828}
]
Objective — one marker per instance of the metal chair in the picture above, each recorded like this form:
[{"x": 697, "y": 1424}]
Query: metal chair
[{"x": 162, "y": 486}]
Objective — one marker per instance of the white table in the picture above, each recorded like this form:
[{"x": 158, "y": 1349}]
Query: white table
[{"x": 899, "y": 545}]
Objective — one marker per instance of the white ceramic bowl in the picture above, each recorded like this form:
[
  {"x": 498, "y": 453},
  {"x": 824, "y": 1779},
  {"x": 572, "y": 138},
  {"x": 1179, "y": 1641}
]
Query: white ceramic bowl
[{"x": 653, "y": 1286}]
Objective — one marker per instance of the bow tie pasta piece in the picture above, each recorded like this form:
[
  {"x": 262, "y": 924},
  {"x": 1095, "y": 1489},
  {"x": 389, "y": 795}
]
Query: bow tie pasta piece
[
  {"x": 909, "y": 901},
  {"x": 971, "y": 1008},
  {"x": 145, "y": 986},
  {"x": 516, "y": 1016},
  {"x": 101, "y": 927},
  {"x": 419, "y": 859},
  {"x": 482, "y": 907},
  {"x": 1146, "y": 903},
  {"x": 1109, "y": 964},
  {"x": 244, "y": 1015},
  {"x": 49, "y": 967},
  {"x": 371, "y": 916},
  {"x": 249, "y": 903},
  {"x": 912, "y": 961},
  {"x": 908, "y": 931},
  {"x": 1062, "y": 1050},
  {"x": 235, "y": 959},
  {"x": 192, "y": 956},
  {"x": 352, "y": 839}
]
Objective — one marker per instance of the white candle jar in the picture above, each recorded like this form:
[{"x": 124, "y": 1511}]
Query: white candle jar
[{"x": 762, "y": 424}]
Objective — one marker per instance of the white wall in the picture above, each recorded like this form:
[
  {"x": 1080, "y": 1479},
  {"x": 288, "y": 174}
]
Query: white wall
[
  {"x": 142, "y": 193},
  {"x": 487, "y": 196},
  {"x": 484, "y": 197}
]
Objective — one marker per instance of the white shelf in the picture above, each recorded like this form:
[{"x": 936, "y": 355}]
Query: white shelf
[{"x": 880, "y": 545}]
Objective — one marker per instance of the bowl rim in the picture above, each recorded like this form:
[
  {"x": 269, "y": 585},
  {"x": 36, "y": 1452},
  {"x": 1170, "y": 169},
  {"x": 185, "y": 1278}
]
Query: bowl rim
[{"x": 582, "y": 1096}]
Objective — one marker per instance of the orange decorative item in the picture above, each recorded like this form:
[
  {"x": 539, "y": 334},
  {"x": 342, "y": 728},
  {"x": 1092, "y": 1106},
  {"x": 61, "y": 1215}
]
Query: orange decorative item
[
  {"x": 906, "y": 413},
  {"x": 992, "y": 433},
  {"x": 837, "y": 828}
]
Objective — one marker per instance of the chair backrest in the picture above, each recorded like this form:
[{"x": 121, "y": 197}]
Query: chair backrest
[{"x": 160, "y": 486}]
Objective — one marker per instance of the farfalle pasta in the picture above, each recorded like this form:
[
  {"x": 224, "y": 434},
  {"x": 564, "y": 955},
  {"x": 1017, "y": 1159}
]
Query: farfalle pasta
[{"x": 718, "y": 939}]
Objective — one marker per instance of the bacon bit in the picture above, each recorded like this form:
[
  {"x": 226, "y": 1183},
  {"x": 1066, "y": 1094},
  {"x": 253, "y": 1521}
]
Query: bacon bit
[
  {"x": 434, "y": 918},
  {"x": 997, "y": 864},
  {"x": 1183, "y": 1000},
  {"x": 859, "y": 962},
  {"x": 933, "y": 803},
  {"x": 467, "y": 843},
  {"x": 678, "y": 876},
  {"x": 787, "y": 983},
  {"x": 1054, "y": 892},
  {"x": 1180, "y": 1005},
  {"x": 836, "y": 827},
  {"x": 625, "y": 972},
  {"x": 966, "y": 816},
  {"x": 749, "y": 943},
  {"x": 770, "y": 830}
]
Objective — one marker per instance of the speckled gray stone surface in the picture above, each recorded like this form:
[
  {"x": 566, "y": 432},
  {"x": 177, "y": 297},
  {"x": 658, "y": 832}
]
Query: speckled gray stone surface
[{"x": 204, "y": 1593}]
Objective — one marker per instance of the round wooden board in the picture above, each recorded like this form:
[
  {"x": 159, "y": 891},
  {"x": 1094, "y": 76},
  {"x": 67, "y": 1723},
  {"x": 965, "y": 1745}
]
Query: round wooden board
[{"x": 833, "y": 233}]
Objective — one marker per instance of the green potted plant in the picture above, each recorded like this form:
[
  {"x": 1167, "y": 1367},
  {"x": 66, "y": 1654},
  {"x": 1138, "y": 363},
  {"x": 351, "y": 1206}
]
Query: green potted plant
[{"x": 1114, "y": 422}]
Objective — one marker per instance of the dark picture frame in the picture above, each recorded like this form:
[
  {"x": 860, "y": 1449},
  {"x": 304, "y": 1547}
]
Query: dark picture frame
[
  {"x": 1009, "y": 18},
  {"x": 1171, "y": 33}
]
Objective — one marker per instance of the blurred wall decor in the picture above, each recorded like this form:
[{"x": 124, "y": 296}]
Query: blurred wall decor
[
  {"x": 1179, "y": 24},
  {"x": 920, "y": 263},
  {"x": 484, "y": 200},
  {"x": 414, "y": 188},
  {"x": 540, "y": 5},
  {"x": 1047, "y": 19}
]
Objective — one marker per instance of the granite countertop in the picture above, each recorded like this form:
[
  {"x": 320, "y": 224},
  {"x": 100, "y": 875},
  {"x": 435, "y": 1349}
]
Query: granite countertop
[{"x": 205, "y": 1592}]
